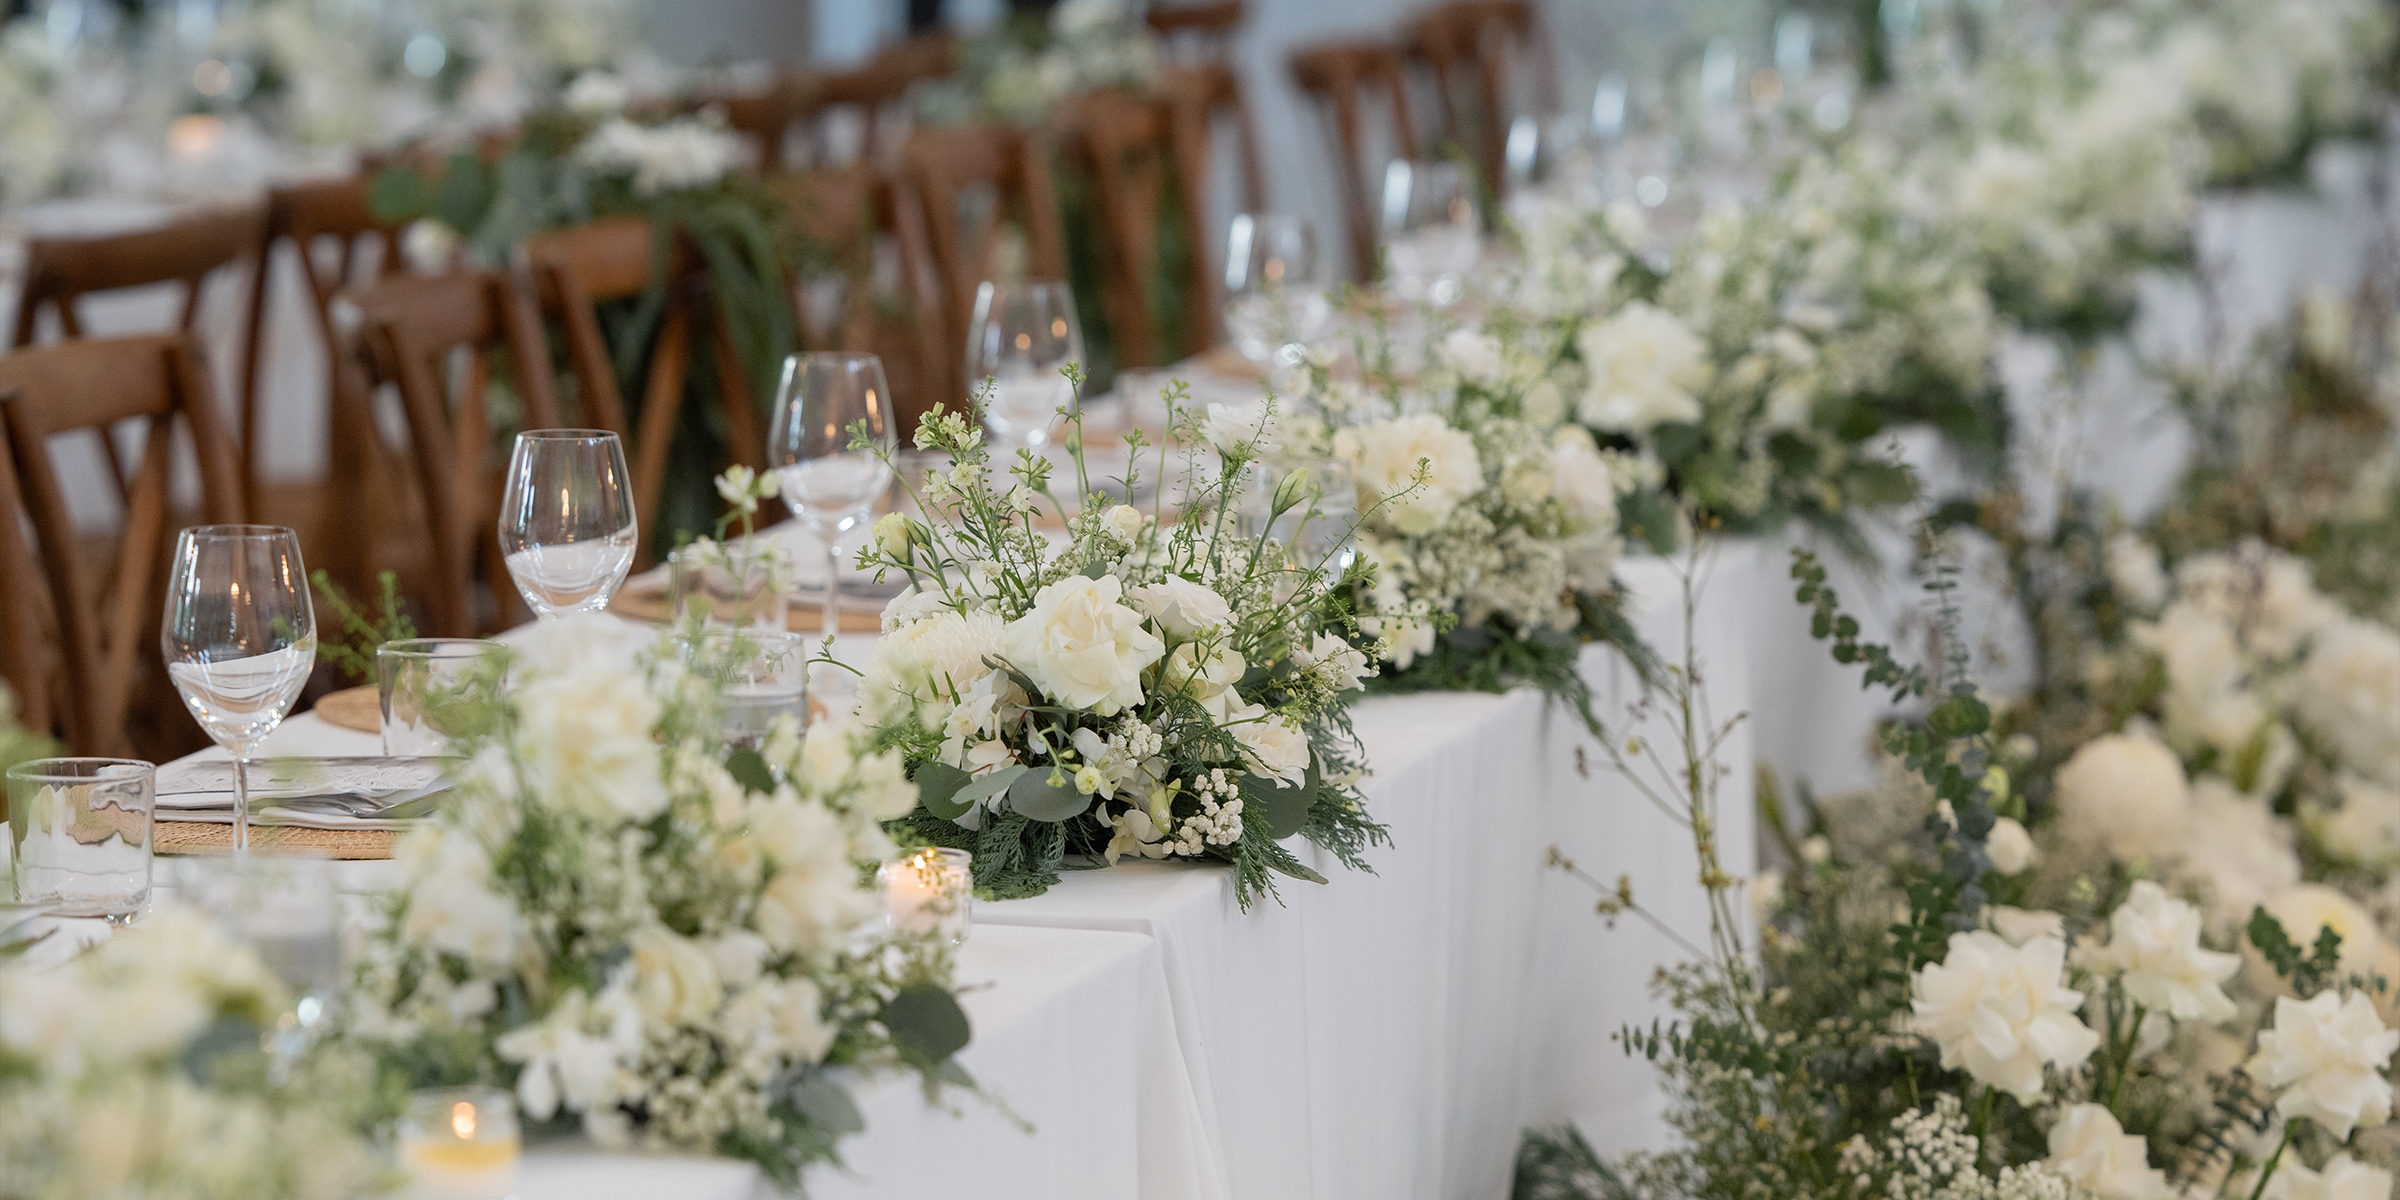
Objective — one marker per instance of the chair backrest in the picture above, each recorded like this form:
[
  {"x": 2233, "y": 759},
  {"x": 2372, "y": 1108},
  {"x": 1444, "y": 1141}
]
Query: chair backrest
[
  {"x": 28, "y": 637},
  {"x": 59, "y": 271},
  {"x": 1469, "y": 47},
  {"x": 1200, "y": 32},
  {"x": 1127, "y": 143},
  {"x": 431, "y": 338},
  {"x": 577, "y": 270},
  {"x": 875, "y": 290},
  {"x": 1198, "y": 97},
  {"x": 944, "y": 168},
  {"x": 108, "y": 628},
  {"x": 1338, "y": 74}
]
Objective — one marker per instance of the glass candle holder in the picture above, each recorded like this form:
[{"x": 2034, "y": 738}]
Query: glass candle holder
[
  {"x": 930, "y": 891},
  {"x": 77, "y": 836},
  {"x": 422, "y": 681},
  {"x": 461, "y": 1143}
]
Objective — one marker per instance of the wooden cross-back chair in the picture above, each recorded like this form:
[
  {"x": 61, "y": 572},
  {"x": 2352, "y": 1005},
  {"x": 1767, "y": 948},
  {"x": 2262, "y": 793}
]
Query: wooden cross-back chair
[
  {"x": 1337, "y": 75},
  {"x": 60, "y": 271},
  {"x": 108, "y": 627},
  {"x": 1198, "y": 98},
  {"x": 800, "y": 105},
  {"x": 1202, "y": 32},
  {"x": 28, "y": 631},
  {"x": 1470, "y": 48},
  {"x": 888, "y": 303},
  {"x": 941, "y": 167},
  {"x": 431, "y": 338},
  {"x": 577, "y": 270},
  {"x": 1127, "y": 143}
]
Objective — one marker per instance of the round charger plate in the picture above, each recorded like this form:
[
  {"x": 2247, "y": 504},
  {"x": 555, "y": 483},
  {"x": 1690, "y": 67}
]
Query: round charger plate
[{"x": 359, "y": 708}]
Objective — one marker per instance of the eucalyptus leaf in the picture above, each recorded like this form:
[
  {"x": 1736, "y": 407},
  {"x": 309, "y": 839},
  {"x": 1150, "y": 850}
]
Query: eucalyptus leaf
[
  {"x": 398, "y": 194},
  {"x": 1033, "y": 795},
  {"x": 827, "y": 1104},
  {"x": 937, "y": 784},
  {"x": 987, "y": 787},
  {"x": 749, "y": 768},
  {"x": 1283, "y": 810},
  {"x": 926, "y": 1022}
]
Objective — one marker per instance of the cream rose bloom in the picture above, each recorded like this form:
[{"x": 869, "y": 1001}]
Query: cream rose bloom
[
  {"x": 1646, "y": 367},
  {"x": 1124, "y": 522},
  {"x": 2002, "y": 1012},
  {"x": 2343, "y": 1178},
  {"x": 1385, "y": 456},
  {"x": 1277, "y": 750},
  {"x": 1205, "y": 676},
  {"x": 2089, "y": 1149},
  {"x": 2154, "y": 949},
  {"x": 2124, "y": 793},
  {"x": 1181, "y": 607},
  {"x": 675, "y": 979},
  {"x": 2325, "y": 1057},
  {"x": 1083, "y": 647}
]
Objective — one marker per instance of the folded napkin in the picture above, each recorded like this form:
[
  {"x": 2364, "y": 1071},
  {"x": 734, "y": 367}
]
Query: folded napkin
[{"x": 315, "y": 793}]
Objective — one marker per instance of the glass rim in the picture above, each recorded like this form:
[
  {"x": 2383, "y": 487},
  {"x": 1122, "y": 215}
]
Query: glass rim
[
  {"x": 567, "y": 435},
  {"x": 946, "y": 854},
  {"x": 26, "y": 770},
  {"x": 237, "y": 530},
  {"x": 408, "y": 647},
  {"x": 1028, "y": 284},
  {"x": 807, "y": 358}
]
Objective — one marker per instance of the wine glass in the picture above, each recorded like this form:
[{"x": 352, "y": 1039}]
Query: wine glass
[
  {"x": 240, "y": 638},
  {"x": 1431, "y": 232},
  {"x": 829, "y": 484},
  {"x": 1022, "y": 333},
  {"x": 1275, "y": 299},
  {"x": 566, "y": 522}
]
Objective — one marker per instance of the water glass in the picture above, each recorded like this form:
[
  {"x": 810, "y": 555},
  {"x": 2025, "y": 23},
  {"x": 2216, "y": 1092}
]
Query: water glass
[
  {"x": 833, "y": 485},
  {"x": 762, "y": 675},
  {"x": 422, "y": 685},
  {"x": 1275, "y": 299},
  {"x": 1431, "y": 231},
  {"x": 78, "y": 836},
  {"x": 930, "y": 891},
  {"x": 567, "y": 527},
  {"x": 239, "y": 638},
  {"x": 1022, "y": 333},
  {"x": 287, "y": 909}
]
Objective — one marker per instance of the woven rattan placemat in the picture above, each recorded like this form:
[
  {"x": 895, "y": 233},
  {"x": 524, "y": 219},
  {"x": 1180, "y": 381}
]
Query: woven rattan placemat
[{"x": 201, "y": 837}]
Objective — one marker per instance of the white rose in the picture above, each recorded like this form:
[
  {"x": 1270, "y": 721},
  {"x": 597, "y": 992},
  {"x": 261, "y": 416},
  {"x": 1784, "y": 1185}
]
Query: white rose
[
  {"x": 2343, "y": 1178},
  {"x": 1081, "y": 647},
  {"x": 2349, "y": 694},
  {"x": 1645, "y": 368},
  {"x": 1474, "y": 356},
  {"x": 891, "y": 536},
  {"x": 2089, "y": 1149},
  {"x": 2326, "y": 1056},
  {"x": 1386, "y": 455},
  {"x": 2017, "y": 926},
  {"x": 2009, "y": 847},
  {"x": 1579, "y": 478},
  {"x": 2125, "y": 794},
  {"x": 1239, "y": 430},
  {"x": 586, "y": 734},
  {"x": 2134, "y": 572},
  {"x": 2002, "y": 1012},
  {"x": 675, "y": 979},
  {"x": 2154, "y": 946},
  {"x": 1278, "y": 751},
  {"x": 1124, "y": 522},
  {"x": 1181, "y": 607},
  {"x": 1208, "y": 681}
]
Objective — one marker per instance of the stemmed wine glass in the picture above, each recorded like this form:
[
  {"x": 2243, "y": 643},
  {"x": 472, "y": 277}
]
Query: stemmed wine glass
[
  {"x": 1276, "y": 302},
  {"x": 240, "y": 638},
  {"x": 567, "y": 524},
  {"x": 831, "y": 485},
  {"x": 1022, "y": 333},
  {"x": 1431, "y": 231}
]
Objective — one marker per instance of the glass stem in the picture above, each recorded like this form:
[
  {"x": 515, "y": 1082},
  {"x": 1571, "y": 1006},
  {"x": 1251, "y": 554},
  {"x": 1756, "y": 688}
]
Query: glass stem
[
  {"x": 241, "y": 799},
  {"x": 833, "y": 584}
]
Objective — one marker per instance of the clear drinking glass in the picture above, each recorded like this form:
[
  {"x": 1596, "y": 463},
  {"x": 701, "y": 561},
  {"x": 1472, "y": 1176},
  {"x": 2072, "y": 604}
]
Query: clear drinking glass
[
  {"x": 1431, "y": 231},
  {"x": 418, "y": 679},
  {"x": 1022, "y": 333},
  {"x": 1275, "y": 299},
  {"x": 832, "y": 486},
  {"x": 763, "y": 674},
  {"x": 288, "y": 910},
  {"x": 240, "y": 639},
  {"x": 566, "y": 523},
  {"x": 78, "y": 836}
]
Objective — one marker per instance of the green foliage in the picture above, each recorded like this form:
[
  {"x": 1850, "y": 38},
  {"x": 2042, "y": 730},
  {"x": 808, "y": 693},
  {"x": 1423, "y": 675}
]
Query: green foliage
[
  {"x": 2309, "y": 970},
  {"x": 358, "y": 633}
]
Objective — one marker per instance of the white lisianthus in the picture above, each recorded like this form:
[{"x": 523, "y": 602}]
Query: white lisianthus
[
  {"x": 2325, "y": 1058},
  {"x": 2344, "y": 1178},
  {"x": 2089, "y": 1149},
  {"x": 2154, "y": 947},
  {"x": 1240, "y": 430},
  {"x": 1579, "y": 477},
  {"x": 1474, "y": 356},
  {"x": 1124, "y": 522},
  {"x": 1181, "y": 607},
  {"x": 675, "y": 979},
  {"x": 2124, "y": 793},
  {"x": 1082, "y": 647},
  {"x": 2009, "y": 846},
  {"x": 1646, "y": 367},
  {"x": 1386, "y": 456},
  {"x": 1277, "y": 750},
  {"x": 1404, "y": 637},
  {"x": 2002, "y": 1012}
]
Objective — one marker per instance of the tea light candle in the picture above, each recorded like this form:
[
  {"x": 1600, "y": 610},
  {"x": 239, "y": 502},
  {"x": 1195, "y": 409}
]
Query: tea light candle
[
  {"x": 461, "y": 1143},
  {"x": 930, "y": 891}
]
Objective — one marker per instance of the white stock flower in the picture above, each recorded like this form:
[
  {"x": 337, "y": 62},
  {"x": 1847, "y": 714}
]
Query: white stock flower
[
  {"x": 2154, "y": 947},
  {"x": 1082, "y": 647},
  {"x": 1386, "y": 455},
  {"x": 2344, "y": 1178},
  {"x": 2325, "y": 1057},
  {"x": 2089, "y": 1149},
  {"x": 1278, "y": 751},
  {"x": 2009, "y": 846},
  {"x": 2125, "y": 794},
  {"x": 1474, "y": 356},
  {"x": 1645, "y": 368},
  {"x": 1181, "y": 607},
  {"x": 675, "y": 979},
  {"x": 2002, "y": 1012},
  {"x": 2349, "y": 694}
]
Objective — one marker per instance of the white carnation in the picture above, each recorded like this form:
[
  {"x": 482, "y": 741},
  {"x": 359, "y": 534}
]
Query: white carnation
[
  {"x": 2125, "y": 794},
  {"x": 2325, "y": 1057},
  {"x": 452, "y": 906},
  {"x": 928, "y": 663},
  {"x": 2002, "y": 1012}
]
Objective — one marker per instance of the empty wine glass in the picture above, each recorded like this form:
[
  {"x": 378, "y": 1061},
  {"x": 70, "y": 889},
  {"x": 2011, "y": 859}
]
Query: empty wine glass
[
  {"x": 566, "y": 522},
  {"x": 1275, "y": 300},
  {"x": 1431, "y": 232},
  {"x": 1022, "y": 333},
  {"x": 240, "y": 638},
  {"x": 832, "y": 486}
]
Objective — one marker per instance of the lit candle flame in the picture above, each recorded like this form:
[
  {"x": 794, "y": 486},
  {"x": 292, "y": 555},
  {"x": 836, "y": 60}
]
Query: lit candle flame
[{"x": 462, "y": 1120}]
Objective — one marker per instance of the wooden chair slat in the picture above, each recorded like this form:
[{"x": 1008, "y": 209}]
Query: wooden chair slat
[{"x": 1337, "y": 75}]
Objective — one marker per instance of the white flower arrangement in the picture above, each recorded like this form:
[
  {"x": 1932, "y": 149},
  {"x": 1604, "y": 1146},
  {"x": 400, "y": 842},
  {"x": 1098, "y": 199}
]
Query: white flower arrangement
[
  {"x": 1139, "y": 687},
  {"x": 668, "y": 944},
  {"x": 678, "y": 155}
]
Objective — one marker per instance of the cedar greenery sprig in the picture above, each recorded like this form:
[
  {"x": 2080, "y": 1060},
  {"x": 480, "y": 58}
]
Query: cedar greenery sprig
[{"x": 351, "y": 650}]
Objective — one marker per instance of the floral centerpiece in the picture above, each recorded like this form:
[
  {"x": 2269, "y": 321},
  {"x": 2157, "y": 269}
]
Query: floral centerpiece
[
  {"x": 672, "y": 946},
  {"x": 1134, "y": 686}
]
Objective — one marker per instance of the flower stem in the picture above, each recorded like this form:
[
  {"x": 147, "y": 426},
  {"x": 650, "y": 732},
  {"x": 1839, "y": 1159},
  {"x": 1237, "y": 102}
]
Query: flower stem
[{"x": 2289, "y": 1128}]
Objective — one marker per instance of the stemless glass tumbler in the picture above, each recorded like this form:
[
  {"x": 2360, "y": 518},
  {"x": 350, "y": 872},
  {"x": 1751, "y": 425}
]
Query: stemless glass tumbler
[
  {"x": 567, "y": 524},
  {"x": 78, "y": 836},
  {"x": 240, "y": 638}
]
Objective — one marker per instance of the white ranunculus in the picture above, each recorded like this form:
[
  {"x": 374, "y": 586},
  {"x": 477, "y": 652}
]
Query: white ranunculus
[
  {"x": 1646, "y": 367},
  {"x": 2154, "y": 947},
  {"x": 1278, "y": 751},
  {"x": 2002, "y": 1012},
  {"x": 675, "y": 979},
  {"x": 2134, "y": 572},
  {"x": 1181, "y": 607},
  {"x": 1124, "y": 522},
  {"x": 2009, "y": 846},
  {"x": 1083, "y": 647},
  {"x": 2325, "y": 1058},
  {"x": 1475, "y": 356},
  {"x": 930, "y": 663},
  {"x": 2017, "y": 926},
  {"x": 2089, "y": 1149},
  {"x": 2344, "y": 1178},
  {"x": 1207, "y": 676},
  {"x": 1385, "y": 456},
  {"x": 1243, "y": 430},
  {"x": 2125, "y": 794},
  {"x": 1579, "y": 478},
  {"x": 2349, "y": 694}
]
